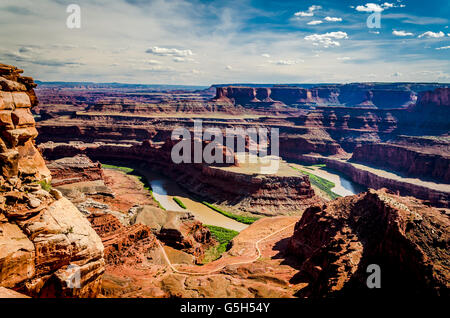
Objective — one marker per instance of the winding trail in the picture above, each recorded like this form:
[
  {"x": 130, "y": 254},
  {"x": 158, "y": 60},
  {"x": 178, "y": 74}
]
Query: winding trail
[{"x": 227, "y": 264}]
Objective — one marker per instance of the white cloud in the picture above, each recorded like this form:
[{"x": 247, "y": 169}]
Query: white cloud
[
  {"x": 373, "y": 7},
  {"x": 265, "y": 55},
  {"x": 314, "y": 8},
  {"x": 327, "y": 39},
  {"x": 228, "y": 67},
  {"x": 303, "y": 14},
  {"x": 153, "y": 62},
  {"x": 369, "y": 7},
  {"x": 314, "y": 22},
  {"x": 286, "y": 62},
  {"x": 169, "y": 52},
  {"x": 183, "y": 24},
  {"x": 182, "y": 59},
  {"x": 401, "y": 33},
  {"x": 344, "y": 58},
  {"x": 333, "y": 19},
  {"x": 430, "y": 34},
  {"x": 443, "y": 48},
  {"x": 308, "y": 13}
]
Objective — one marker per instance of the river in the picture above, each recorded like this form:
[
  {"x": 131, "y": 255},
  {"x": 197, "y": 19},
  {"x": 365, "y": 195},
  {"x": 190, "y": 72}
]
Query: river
[{"x": 165, "y": 189}]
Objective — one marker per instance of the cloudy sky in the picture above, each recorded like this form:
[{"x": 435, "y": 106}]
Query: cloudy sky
[{"x": 222, "y": 41}]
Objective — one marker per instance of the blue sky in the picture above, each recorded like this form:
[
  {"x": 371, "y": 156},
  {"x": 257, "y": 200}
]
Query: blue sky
[{"x": 207, "y": 42}]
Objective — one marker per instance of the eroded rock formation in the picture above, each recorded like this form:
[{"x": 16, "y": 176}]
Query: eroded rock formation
[
  {"x": 41, "y": 233},
  {"x": 259, "y": 194},
  {"x": 123, "y": 244},
  {"x": 336, "y": 242},
  {"x": 179, "y": 230},
  {"x": 74, "y": 169}
]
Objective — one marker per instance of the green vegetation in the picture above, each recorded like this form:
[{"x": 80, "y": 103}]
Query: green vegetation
[
  {"x": 178, "y": 201},
  {"x": 69, "y": 230},
  {"x": 45, "y": 185},
  {"x": 138, "y": 175},
  {"x": 127, "y": 170},
  {"x": 321, "y": 183},
  {"x": 223, "y": 236},
  {"x": 239, "y": 218},
  {"x": 311, "y": 167}
]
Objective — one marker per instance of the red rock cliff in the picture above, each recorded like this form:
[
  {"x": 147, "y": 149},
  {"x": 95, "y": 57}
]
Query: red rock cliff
[
  {"x": 41, "y": 233},
  {"x": 336, "y": 242}
]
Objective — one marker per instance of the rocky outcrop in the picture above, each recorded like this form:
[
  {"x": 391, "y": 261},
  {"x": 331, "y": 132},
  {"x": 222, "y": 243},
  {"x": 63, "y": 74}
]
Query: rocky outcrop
[
  {"x": 123, "y": 244},
  {"x": 44, "y": 239},
  {"x": 9, "y": 293},
  {"x": 336, "y": 243},
  {"x": 74, "y": 169},
  {"x": 176, "y": 229}
]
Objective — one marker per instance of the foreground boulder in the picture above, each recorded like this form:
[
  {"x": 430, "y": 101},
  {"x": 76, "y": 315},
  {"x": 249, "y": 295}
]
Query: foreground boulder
[
  {"x": 47, "y": 247},
  {"x": 176, "y": 229},
  {"x": 336, "y": 243}
]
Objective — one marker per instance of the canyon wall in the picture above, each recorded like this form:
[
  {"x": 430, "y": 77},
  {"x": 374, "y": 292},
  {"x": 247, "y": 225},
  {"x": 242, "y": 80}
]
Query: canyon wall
[
  {"x": 369, "y": 95},
  {"x": 43, "y": 236},
  {"x": 410, "y": 161},
  {"x": 427, "y": 156},
  {"x": 438, "y": 198}
]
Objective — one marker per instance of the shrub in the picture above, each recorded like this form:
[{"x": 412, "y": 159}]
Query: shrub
[
  {"x": 224, "y": 237},
  {"x": 45, "y": 185},
  {"x": 239, "y": 218}
]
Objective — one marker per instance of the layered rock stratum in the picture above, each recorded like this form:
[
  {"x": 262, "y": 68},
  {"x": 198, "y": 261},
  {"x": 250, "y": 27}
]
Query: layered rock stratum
[
  {"x": 42, "y": 235},
  {"x": 368, "y": 95}
]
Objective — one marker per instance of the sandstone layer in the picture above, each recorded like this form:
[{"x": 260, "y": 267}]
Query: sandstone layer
[{"x": 42, "y": 234}]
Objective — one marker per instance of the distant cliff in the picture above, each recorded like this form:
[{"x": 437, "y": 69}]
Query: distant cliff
[{"x": 370, "y": 95}]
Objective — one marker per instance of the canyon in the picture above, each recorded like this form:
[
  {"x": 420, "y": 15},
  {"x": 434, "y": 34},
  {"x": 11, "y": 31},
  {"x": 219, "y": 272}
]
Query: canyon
[
  {"x": 82, "y": 191},
  {"x": 408, "y": 140}
]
